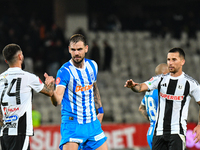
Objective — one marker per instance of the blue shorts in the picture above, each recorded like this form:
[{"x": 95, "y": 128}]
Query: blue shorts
[
  {"x": 87, "y": 135},
  {"x": 150, "y": 135}
]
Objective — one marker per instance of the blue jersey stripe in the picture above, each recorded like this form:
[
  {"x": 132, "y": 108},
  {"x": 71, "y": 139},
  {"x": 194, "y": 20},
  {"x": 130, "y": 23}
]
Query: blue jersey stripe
[
  {"x": 74, "y": 109},
  {"x": 83, "y": 94},
  {"x": 74, "y": 97},
  {"x": 90, "y": 91}
]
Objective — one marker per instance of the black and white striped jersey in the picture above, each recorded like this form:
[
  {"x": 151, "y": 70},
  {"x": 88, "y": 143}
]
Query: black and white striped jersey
[
  {"x": 16, "y": 100},
  {"x": 174, "y": 98}
]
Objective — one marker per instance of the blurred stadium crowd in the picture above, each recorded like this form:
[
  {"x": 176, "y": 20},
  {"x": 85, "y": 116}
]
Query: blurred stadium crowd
[{"x": 139, "y": 43}]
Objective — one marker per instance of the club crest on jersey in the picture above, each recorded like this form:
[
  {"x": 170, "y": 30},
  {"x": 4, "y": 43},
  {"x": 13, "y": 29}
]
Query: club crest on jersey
[
  {"x": 57, "y": 81},
  {"x": 92, "y": 76},
  {"x": 180, "y": 87}
]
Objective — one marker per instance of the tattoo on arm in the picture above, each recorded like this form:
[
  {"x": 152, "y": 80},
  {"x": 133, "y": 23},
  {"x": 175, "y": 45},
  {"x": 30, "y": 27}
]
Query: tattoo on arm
[
  {"x": 137, "y": 88},
  {"x": 143, "y": 111},
  {"x": 97, "y": 98},
  {"x": 48, "y": 90},
  {"x": 1, "y": 118}
]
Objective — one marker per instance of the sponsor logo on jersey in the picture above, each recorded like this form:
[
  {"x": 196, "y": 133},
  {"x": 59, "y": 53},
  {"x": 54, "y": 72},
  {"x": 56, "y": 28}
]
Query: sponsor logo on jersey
[
  {"x": 85, "y": 88},
  {"x": 164, "y": 84},
  {"x": 99, "y": 137},
  {"x": 9, "y": 125},
  {"x": 57, "y": 81},
  {"x": 6, "y": 110},
  {"x": 171, "y": 97},
  {"x": 11, "y": 118}
]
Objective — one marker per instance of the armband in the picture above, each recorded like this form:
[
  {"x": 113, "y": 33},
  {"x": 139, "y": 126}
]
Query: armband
[{"x": 100, "y": 110}]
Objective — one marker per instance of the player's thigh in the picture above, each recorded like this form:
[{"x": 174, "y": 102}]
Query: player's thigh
[
  {"x": 97, "y": 137},
  {"x": 159, "y": 143},
  {"x": 177, "y": 142},
  {"x": 70, "y": 146},
  {"x": 71, "y": 133},
  {"x": 104, "y": 146},
  {"x": 15, "y": 142}
]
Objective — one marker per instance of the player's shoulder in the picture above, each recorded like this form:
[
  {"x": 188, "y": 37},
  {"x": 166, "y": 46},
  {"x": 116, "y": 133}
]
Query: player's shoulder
[
  {"x": 65, "y": 66},
  {"x": 64, "y": 69},
  {"x": 190, "y": 79},
  {"x": 28, "y": 75},
  {"x": 90, "y": 61}
]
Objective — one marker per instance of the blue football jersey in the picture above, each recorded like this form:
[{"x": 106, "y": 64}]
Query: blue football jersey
[
  {"x": 78, "y": 99},
  {"x": 150, "y": 101}
]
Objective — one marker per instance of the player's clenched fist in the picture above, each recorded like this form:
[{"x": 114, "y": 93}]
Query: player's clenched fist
[{"x": 130, "y": 84}]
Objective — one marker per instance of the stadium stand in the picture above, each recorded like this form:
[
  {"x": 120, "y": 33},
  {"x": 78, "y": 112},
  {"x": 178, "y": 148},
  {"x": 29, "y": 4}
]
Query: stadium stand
[{"x": 135, "y": 56}]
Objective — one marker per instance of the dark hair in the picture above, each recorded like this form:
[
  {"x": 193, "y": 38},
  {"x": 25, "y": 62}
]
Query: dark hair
[
  {"x": 179, "y": 50},
  {"x": 76, "y": 38},
  {"x": 9, "y": 52}
]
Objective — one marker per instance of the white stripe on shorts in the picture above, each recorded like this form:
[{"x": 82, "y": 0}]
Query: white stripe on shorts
[{"x": 26, "y": 143}]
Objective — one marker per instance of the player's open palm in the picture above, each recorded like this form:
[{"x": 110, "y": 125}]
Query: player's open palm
[
  {"x": 130, "y": 83},
  {"x": 197, "y": 131}
]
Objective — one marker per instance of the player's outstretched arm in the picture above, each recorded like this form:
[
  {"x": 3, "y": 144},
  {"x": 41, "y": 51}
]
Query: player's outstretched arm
[
  {"x": 143, "y": 111},
  {"x": 197, "y": 128},
  {"x": 136, "y": 87},
  {"x": 98, "y": 104},
  {"x": 48, "y": 88},
  {"x": 57, "y": 96}
]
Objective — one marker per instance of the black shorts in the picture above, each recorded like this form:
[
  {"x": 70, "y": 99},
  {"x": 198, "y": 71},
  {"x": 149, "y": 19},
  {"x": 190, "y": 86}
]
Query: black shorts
[
  {"x": 169, "y": 142},
  {"x": 18, "y": 142}
]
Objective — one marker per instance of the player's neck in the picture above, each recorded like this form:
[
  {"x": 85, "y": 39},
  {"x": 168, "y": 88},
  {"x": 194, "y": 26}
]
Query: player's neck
[
  {"x": 176, "y": 74},
  {"x": 78, "y": 65},
  {"x": 15, "y": 65}
]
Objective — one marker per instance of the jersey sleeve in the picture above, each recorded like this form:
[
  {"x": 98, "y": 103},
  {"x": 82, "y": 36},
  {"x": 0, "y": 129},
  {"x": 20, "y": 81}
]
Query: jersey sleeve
[
  {"x": 63, "y": 77},
  {"x": 153, "y": 82},
  {"x": 35, "y": 83},
  {"x": 196, "y": 93},
  {"x": 95, "y": 69}
]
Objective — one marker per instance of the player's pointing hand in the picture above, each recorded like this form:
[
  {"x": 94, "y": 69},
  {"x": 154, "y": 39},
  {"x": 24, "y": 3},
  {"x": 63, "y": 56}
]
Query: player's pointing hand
[{"x": 49, "y": 80}]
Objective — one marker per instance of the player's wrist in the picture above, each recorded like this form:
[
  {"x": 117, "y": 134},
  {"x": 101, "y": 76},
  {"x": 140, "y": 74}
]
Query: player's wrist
[{"x": 100, "y": 110}]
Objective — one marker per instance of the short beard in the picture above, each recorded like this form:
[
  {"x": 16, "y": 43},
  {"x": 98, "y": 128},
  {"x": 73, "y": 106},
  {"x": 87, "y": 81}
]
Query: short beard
[{"x": 78, "y": 61}]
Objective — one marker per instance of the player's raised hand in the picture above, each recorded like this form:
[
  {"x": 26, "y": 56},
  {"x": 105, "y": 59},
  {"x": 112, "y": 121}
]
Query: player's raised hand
[
  {"x": 49, "y": 80},
  {"x": 130, "y": 84}
]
